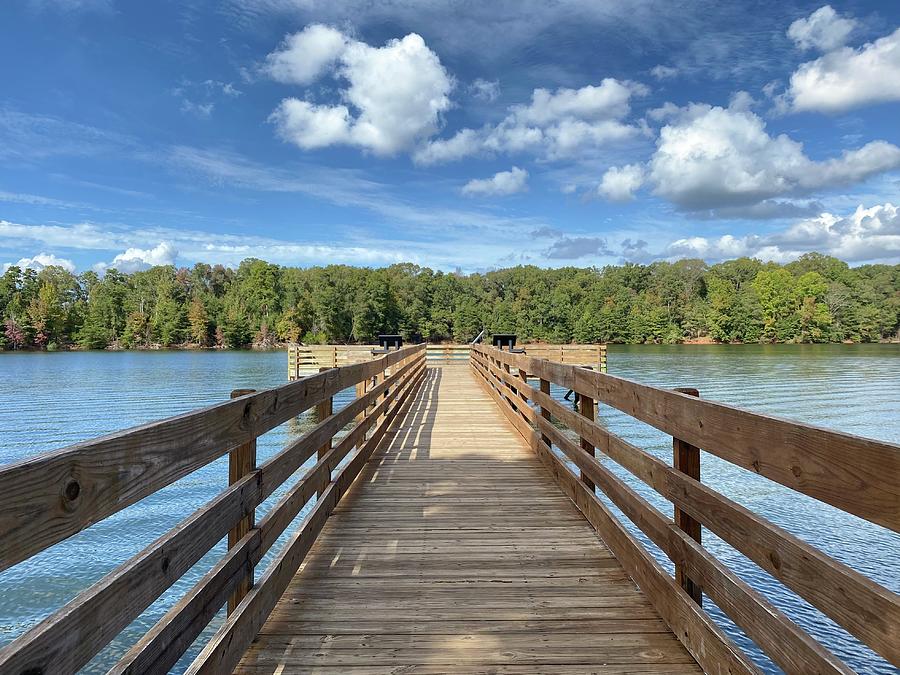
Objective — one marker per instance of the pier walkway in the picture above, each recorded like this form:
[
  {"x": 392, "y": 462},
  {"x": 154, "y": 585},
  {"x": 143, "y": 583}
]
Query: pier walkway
[
  {"x": 454, "y": 553},
  {"x": 456, "y": 518}
]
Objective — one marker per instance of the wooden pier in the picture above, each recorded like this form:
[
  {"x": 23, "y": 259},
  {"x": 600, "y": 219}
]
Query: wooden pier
[{"x": 452, "y": 521}]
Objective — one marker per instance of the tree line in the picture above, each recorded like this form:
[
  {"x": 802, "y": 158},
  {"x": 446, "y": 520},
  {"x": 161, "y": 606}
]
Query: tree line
[{"x": 813, "y": 299}]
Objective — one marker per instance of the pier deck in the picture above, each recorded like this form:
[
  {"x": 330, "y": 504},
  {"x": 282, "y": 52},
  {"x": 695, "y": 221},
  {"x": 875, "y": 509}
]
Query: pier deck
[{"x": 455, "y": 551}]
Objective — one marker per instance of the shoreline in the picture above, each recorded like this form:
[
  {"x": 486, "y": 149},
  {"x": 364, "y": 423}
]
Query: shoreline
[{"x": 284, "y": 346}]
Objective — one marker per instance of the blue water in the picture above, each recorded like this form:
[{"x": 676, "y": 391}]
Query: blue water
[{"x": 48, "y": 401}]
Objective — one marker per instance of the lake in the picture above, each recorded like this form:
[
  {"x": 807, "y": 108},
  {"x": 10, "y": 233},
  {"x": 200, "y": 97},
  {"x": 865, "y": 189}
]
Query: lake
[{"x": 49, "y": 400}]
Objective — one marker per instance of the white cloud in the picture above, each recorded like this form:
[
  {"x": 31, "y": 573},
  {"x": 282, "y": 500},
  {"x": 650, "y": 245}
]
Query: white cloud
[
  {"x": 485, "y": 90},
  {"x": 554, "y": 124},
  {"x": 712, "y": 157},
  {"x": 135, "y": 259},
  {"x": 848, "y": 78},
  {"x": 40, "y": 261},
  {"x": 662, "y": 72},
  {"x": 312, "y": 126},
  {"x": 866, "y": 235},
  {"x": 500, "y": 184},
  {"x": 306, "y": 55},
  {"x": 824, "y": 30},
  {"x": 620, "y": 183},
  {"x": 394, "y": 95}
]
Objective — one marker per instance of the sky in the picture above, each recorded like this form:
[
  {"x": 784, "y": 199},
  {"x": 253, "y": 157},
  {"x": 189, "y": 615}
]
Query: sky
[{"x": 464, "y": 135}]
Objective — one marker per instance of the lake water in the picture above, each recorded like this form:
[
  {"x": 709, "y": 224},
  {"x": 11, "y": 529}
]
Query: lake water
[{"x": 48, "y": 401}]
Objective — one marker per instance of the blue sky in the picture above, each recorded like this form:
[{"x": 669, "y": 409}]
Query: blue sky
[{"x": 468, "y": 135}]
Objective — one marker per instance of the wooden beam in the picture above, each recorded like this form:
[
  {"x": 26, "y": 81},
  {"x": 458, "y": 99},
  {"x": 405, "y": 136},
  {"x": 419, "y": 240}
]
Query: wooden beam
[
  {"x": 241, "y": 462},
  {"x": 48, "y": 498},
  {"x": 854, "y": 474},
  {"x": 686, "y": 459}
]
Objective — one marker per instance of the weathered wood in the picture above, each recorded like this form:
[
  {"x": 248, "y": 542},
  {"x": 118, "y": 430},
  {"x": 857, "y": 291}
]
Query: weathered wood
[
  {"x": 442, "y": 567},
  {"x": 686, "y": 459},
  {"x": 241, "y": 462},
  {"x": 161, "y": 647},
  {"x": 587, "y": 410},
  {"x": 226, "y": 647},
  {"x": 68, "y": 638},
  {"x": 787, "y": 645},
  {"x": 854, "y": 474},
  {"x": 545, "y": 413},
  {"x": 865, "y": 609},
  {"x": 47, "y": 498},
  {"x": 712, "y": 649}
]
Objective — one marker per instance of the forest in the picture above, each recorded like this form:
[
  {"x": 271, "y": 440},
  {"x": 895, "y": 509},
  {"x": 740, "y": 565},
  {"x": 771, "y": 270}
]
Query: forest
[{"x": 813, "y": 299}]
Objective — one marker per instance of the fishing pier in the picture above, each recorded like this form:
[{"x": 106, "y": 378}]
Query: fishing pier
[{"x": 455, "y": 518}]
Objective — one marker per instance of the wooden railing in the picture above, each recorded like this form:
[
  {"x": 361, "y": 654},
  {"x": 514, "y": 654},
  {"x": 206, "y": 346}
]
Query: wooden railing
[
  {"x": 856, "y": 475},
  {"x": 53, "y": 496},
  {"x": 305, "y": 359}
]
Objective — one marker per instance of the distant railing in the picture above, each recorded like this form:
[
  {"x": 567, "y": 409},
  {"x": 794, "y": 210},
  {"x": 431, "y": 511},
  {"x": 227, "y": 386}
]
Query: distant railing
[
  {"x": 48, "y": 498},
  {"x": 856, "y": 475},
  {"x": 306, "y": 359}
]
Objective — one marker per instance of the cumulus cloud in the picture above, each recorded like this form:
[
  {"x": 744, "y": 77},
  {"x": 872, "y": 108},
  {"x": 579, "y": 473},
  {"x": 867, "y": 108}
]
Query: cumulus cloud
[
  {"x": 40, "y": 261},
  {"x": 500, "y": 184},
  {"x": 554, "y": 124},
  {"x": 620, "y": 183},
  {"x": 848, "y": 78},
  {"x": 485, "y": 90},
  {"x": 824, "y": 30},
  {"x": 136, "y": 259},
  {"x": 711, "y": 157},
  {"x": 866, "y": 235},
  {"x": 393, "y": 95},
  {"x": 303, "y": 57}
]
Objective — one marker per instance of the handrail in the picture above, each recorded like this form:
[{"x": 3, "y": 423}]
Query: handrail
[
  {"x": 71, "y": 636},
  {"x": 867, "y": 610}
]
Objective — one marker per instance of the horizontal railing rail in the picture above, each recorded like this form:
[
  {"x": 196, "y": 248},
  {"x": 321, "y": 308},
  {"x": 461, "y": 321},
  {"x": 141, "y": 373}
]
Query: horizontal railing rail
[
  {"x": 855, "y": 474},
  {"x": 117, "y": 470}
]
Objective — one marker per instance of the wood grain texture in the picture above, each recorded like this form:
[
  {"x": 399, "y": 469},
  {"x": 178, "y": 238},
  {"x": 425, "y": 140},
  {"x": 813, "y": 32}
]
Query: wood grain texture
[
  {"x": 857, "y": 475},
  {"x": 226, "y": 647},
  {"x": 161, "y": 647},
  {"x": 454, "y": 552},
  {"x": 712, "y": 649},
  {"x": 52, "y": 496},
  {"x": 71, "y": 636},
  {"x": 865, "y": 609}
]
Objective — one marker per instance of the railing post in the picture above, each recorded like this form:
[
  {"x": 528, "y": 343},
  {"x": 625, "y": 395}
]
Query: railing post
[
  {"x": 241, "y": 461},
  {"x": 587, "y": 409},
  {"x": 360, "y": 392},
  {"x": 686, "y": 458},
  {"x": 545, "y": 389},
  {"x": 324, "y": 410},
  {"x": 509, "y": 387}
]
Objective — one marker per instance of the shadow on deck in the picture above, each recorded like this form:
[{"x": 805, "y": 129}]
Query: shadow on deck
[{"x": 454, "y": 551}]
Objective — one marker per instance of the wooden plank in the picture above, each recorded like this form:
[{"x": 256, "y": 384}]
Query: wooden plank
[
  {"x": 465, "y": 562},
  {"x": 686, "y": 459},
  {"x": 71, "y": 636},
  {"x": 241, "y": 462},
  {"x": 787, "y": 645},
  {"x": 865, "y": 609},
  {"x": 224, "y": 650},
  {"x": 161, "y": 647},
  {"x": 52, "y": 496},
  {"x": 854, "y": 474},
  {"x": 712, "y": 649}
]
